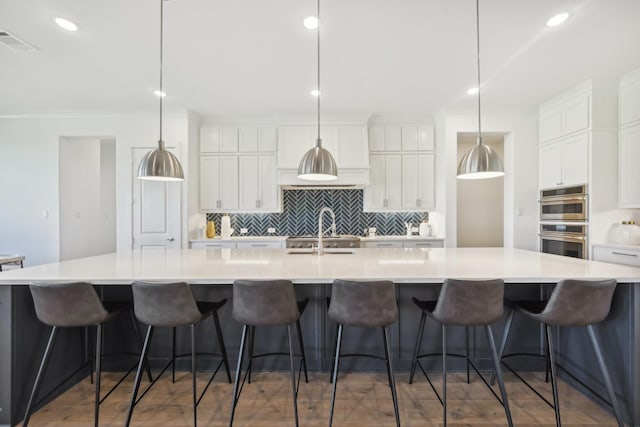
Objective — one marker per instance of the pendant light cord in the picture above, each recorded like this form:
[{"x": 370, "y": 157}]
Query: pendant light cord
[
  {"x": 161, "y": 45},
  {"x": 478, "y": 46},
  {"x": 319, "y": 91}
]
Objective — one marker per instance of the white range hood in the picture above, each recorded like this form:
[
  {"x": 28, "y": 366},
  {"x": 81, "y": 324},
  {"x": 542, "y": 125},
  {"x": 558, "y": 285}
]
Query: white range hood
[{"x": 348, "y": 144}]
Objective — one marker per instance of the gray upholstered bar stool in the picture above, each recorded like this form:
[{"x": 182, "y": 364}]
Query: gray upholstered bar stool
[
  {"x": 264, "y": 303},
  {"x": 364, "y": 304},
  {"x": 76, "y": 304},
  {"x": 467, "y": 303},
  {"x": 572, "y": 303},
  {"x": 172, "y": 305}
]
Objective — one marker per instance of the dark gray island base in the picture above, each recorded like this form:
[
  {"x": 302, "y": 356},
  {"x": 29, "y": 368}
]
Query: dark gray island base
[{"x": 23, "y": 338}]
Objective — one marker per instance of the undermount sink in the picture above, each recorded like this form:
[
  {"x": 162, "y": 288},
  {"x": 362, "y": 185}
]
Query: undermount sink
[{"x": 327, "y": 251}]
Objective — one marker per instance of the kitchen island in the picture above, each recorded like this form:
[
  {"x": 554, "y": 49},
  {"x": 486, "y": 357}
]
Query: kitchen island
[{"x": 418, "y": 272}]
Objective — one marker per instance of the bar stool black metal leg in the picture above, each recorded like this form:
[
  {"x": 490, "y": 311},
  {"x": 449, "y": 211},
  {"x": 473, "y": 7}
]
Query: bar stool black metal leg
[
  {"x": 503, "y": 341},
  {"x": 98, "y": 372},
  {"x": 335, "y": 373},
  {"x": 554, "y": 384},
  {"x": 293, "y": 377},
  {"x": 605, "y": 375},
  {"x": 252, "y": 335},
  {"x": 304, "y": 357},
  {"x": 136, "y": 384},
  {"x": 138, "y": 336},
  {"x": 333, "y": 353},
  {"x": 444, "y": 375},
  {"x": 392, "y": 381},
  {"x": 193, "y": 374},
  {"x": 173, "y": 355},
  {"x": 87, "y": 353},
  {"x": 416, "y": 351},
  {"x": 466, "y": 350},
  {"x": 41, "y": 370},
  {"x": 236, "y": 395},
  {"x": 498, "y": 371},
  {"x": 223, "y": 348},
  {"x": 547, "y": 360}
]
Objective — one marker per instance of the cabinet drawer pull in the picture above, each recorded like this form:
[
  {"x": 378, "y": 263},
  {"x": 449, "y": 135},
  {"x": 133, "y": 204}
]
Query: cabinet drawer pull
[
  {"x": 384, "y": 244},
  {"x": 622, "y": 253},
  {"x": 423, "y": 244},
  {"x": 259, "y": 245}
]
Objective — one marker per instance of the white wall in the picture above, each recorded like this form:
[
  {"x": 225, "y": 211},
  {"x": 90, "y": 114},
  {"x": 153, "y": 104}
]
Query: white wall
[
  {"x": 108, "y": 225},
  {"x": 521, "y": 174},
  {"x": 29, "y": 220},
  {"x": 480, "y": 207},
  {"x": 79, "y": 184}
]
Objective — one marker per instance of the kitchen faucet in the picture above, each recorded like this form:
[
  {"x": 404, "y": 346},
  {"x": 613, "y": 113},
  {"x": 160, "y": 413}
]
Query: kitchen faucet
[{"x": 320, "y": 232}]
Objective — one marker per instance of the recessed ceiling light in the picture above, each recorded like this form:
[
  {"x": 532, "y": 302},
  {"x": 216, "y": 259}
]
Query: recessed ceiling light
[
  {"x": 315, "y": 92},
  {"x": 66, "y": 24},
  {"x": 159, "y": 94},
  {"x": 472, "y": 91},
  {"x": 557, "y": 19},
  {"x": 311, "y": 22}
]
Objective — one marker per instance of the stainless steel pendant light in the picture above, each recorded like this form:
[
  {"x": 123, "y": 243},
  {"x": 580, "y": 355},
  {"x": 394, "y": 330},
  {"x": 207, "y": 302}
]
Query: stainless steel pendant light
[
  {"x": 160, "y": 164},
  {"x": 481, "y": 161},
  {"x": 318, "y": 164}
]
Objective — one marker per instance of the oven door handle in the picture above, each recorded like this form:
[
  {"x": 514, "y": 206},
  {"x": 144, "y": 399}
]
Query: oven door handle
[{"x": 563, "y": 238}]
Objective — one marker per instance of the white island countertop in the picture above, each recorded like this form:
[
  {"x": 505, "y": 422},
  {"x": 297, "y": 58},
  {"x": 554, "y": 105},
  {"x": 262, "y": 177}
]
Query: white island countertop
[{"x": 222, "y": 266}]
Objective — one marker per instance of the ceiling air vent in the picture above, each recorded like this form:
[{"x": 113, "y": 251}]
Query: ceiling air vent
[{"x": 14, "y": 43}]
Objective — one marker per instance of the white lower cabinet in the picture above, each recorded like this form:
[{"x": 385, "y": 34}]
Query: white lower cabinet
[
  {"x": 382, "y": 244},
  {"x": 424, "y": 244},
  {"x": 274, "y": 245},
  {"x": 617, "y": 255},
  {"x": 233, "y": 244},
  {"x": 404, "y": 243},
  {"x": 213, "y": 245}
]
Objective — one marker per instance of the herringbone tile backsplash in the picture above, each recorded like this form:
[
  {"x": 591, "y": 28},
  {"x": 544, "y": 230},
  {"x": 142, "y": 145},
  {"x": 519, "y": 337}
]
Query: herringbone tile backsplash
[{"x": 300, "y": 215}]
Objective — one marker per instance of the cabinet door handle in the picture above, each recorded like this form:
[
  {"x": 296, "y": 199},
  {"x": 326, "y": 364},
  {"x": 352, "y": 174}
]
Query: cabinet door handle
[
  {"x": 622, "y": 253},
  {"x": 171, "y": 239},
  {"x": 418, "y": 202},
  {"x": 257, "y": 203},
  {"x": 385, "y": 203}
]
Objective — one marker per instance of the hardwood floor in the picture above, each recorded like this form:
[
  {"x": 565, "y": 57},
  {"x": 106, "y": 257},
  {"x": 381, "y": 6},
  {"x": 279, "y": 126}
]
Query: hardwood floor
[{"x": 363, "y": 400}]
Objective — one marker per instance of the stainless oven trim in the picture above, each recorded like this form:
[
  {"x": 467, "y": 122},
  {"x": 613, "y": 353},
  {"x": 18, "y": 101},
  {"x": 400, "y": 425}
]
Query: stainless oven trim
[
  {"x": 564, "y": 237},
  {"x": 565, "y": 216}
]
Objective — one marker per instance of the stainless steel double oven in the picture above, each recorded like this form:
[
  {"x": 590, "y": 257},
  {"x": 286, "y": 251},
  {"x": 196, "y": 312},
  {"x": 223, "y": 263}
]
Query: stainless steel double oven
[{"x": 564, "y": 221}]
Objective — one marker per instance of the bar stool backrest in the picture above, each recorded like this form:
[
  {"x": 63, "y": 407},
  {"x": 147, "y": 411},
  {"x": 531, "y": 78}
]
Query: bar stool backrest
[
  {"x": 67, "y": 304},
  {"x": 470, "y": 302},
  {"x": 165, "y": 304},
  {"x": 365, "y": 304},
  {"x": 579, "y": 302},
  {"x": 264, "y": 302}
]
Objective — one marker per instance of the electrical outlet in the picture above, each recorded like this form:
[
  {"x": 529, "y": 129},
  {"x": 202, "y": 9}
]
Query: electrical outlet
[
  {"x": 271, "y": 230},
  {"x": 244, "y": 230}
]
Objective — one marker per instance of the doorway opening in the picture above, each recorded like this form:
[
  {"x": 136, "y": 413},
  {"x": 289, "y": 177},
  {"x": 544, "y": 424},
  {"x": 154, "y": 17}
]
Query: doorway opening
[
  {"x": 480, "y": 203},
  {"x": 87, "y": 186}
]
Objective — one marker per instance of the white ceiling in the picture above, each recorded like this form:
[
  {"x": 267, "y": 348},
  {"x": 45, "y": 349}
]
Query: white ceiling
[{"x": 254, "y": 57}]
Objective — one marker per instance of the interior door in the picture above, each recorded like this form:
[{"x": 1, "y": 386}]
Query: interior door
[{"x": 155, "y": 209}]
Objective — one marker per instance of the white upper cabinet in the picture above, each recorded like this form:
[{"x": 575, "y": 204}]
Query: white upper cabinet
[
  {"x": 564, "y": 116},
  {"x": 231, "y": 179},
  {"x": 629, "y": 172},
  {"x": 565, "y": 162},
  {"x": 629, "y": 141},
  {"x": 385, "y": 138},
  {"x": 218, "y": 183},
  {"x": 293, "y": 142},
  {"x": 258, "y": 190},
  {"x": 629, "y": 99},
  {"x": 402, "y": 168},
  {"x": 254, "y": 139}
]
